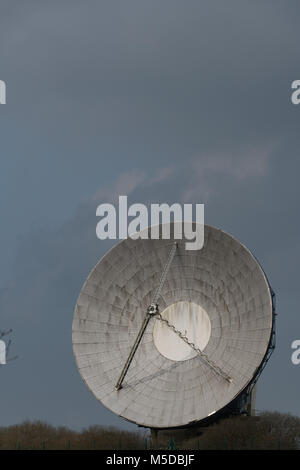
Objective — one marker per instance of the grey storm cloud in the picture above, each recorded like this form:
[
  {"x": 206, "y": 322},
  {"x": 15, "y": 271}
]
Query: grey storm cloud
[
  {"x": 166, "y": 102},
  {"x": 142, "y": 71}
]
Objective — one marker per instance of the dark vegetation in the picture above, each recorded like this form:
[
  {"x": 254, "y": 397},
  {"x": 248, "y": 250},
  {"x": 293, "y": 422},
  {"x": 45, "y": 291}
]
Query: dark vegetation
[
  {"x": 267, "y": 431},
  {"x": 40, "y": 435}
]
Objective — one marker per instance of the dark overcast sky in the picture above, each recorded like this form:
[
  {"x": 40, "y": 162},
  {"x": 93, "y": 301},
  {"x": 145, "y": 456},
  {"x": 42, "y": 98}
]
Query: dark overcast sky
[{"x": 164, "y": 101}]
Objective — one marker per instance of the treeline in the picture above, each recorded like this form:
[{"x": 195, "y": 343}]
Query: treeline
[
  {"x": 39, "y": 435},
  {"x": 267, "y": 431},
  {"x": 275, "y": 431}
]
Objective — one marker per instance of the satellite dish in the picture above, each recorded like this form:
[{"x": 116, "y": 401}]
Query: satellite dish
[{"x": 165, "y": 337}]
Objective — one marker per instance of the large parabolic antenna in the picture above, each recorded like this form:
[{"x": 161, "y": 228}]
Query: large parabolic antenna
[{"x": 202, "y": 342}]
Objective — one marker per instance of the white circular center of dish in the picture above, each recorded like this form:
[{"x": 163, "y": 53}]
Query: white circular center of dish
[{"x": 192, "y": 321}]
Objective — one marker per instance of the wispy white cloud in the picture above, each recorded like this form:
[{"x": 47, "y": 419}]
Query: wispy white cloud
[
  {"x": 240, "y": 166},
  {"x": 161, "y": 175},
  {"x": 197, "y": 178},
  {"x": 252, "y": 163},
  {"x": 125, "y": 184}
]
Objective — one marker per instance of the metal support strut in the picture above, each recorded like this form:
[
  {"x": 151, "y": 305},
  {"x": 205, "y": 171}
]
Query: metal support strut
[{"x": 151, "y": 310}]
